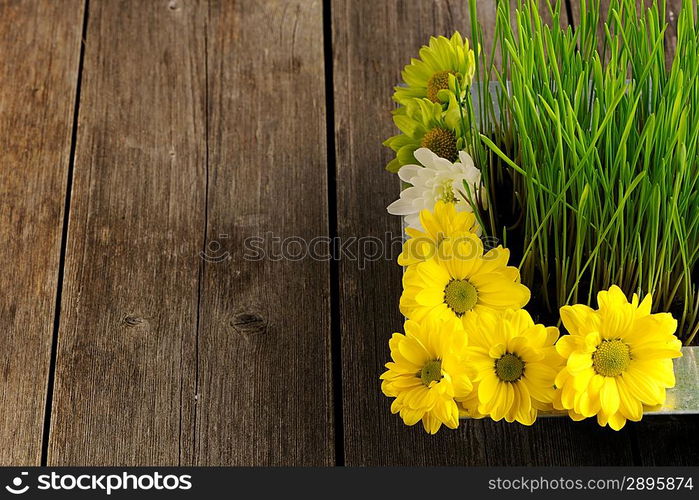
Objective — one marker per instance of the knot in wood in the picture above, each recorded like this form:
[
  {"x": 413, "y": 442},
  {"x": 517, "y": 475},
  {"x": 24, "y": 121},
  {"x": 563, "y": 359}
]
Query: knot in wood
[
  {"x": 132, "y": 321},
  {"x": 249, "y": 324}
]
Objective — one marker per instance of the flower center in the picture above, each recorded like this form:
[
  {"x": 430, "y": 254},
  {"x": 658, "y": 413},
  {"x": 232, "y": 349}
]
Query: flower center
[
  {"x": 438, "y": 81},
  {"x": 447, "y": 192},
  {"x": 509, "y": 368},
  {"x": 431, "y": 372},
  {"x": 611, "y": 358},
  {"x": 441, "y": 142},
  {"x": 461, "y": 296}
]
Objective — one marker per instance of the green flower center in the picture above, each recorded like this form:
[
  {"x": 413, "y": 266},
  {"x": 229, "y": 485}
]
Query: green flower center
[
  {"x": 438, "y": 81},
  {"x": 447, "y": 195},
  {"x": 509, "y": 368},
  {"x": 431, "y": 372},
  {"x": 441, "y": 142},
  {"x": 611, "y": 358},
  {"x": 461, "y": 296}
]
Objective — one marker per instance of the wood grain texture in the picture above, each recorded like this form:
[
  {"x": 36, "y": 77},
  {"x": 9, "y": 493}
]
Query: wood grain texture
[
  {"x": 668, "y": 440},
  {"x": 264, "y": 346},
  {"x": 124, "y": 390},
  {"x": 39, "y": 54},
  {"x": 372, "y": 41},
  {"x": 202, "y": 123}
]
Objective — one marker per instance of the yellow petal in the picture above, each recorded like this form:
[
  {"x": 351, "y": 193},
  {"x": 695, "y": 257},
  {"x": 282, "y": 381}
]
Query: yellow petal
[
  {"x": 630, "y": 407},
  {"x": 643, "y": 387},
  {"x": 576, "y": 417},
  {"x": 645, "y": 306},
  {"x": 414, "y": 352},
  {"x": 568, "y": 344},
  {"x": 517, "y": 344},
  {"x": 668, "y": 351},
  {"x": 568, "y": 394},
  {"x": 525, "y": 400},
  {"x": 511, "y": 414},
  {"x": 661, "y": 371},
  {"x": 461, "y": 268},
  {"x": 612, "y": 298},
  {"x": 497, "y": 351},
  {"x": 431, "y": 423},
  {"x": 617, "y": 421},
  {"x": 609, "y": 396},
  {"x": 578, "y": 362},
  {"x": 592, "y": 340},
  {"x": 430, "y": 297},
  {"x": 540, "y": 374},
  {"x": 586, "y": 406},
  {"x": 527, "y": 413},
  {"x": 562, "y": 377},
  {"x": 487, "y": 388},
  {"x": 579, "y": 319},
  {"x": 552, "y": 335},
  {"x": 501, "y": 294},
  {"x": 504, "y": 402},
  {"x": 582, "y": 379},
  {"x": 411, "y": 417},
  {"x": 495, "y": 259},
  {"x": 465, "y": 247},
  {"x": 433, "y": 274}
]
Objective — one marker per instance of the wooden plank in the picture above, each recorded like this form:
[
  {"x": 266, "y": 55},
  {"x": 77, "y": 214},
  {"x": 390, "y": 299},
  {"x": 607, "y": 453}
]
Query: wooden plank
[
  {"x": 124, "y": 390},
  {"x": 39, "y": 55},
  {"x": 265, "y": 394},
  {"x": 668, "y": 440},
  {"x": 371, "y": 44}
]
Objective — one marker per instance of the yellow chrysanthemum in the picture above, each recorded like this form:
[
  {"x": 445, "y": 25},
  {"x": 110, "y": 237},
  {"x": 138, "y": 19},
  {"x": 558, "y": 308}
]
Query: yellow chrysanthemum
[
  {"x": 460, "y": 280},
  {"x": 441, "y": 63},
  {"x": 618, "y": 359},
  {"x": 442, "y": 224},
  {"x": 423, "y": 124},
  {"x": 516, "y": 363},
  {"x": 428, "y": 371}
]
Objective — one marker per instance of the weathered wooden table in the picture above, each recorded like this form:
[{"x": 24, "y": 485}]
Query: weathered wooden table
[{"x": 137, "y": 137}]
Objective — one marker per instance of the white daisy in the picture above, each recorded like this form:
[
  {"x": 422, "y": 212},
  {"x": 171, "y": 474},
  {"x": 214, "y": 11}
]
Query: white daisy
[{"x": 437, "y": 179}]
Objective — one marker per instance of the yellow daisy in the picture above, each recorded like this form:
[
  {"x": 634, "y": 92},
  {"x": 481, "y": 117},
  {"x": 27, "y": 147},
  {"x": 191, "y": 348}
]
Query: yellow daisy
[
  {"x": 427, "y": 372},
  {"x": 460, "y": 280},
  {"x": 516, "y": 363},
  {"x": 423, "y": 124},
  {"x": 618, "y": 359},
  {"x": 441, "y": 63},
  {"x": 442, "y": 224}
]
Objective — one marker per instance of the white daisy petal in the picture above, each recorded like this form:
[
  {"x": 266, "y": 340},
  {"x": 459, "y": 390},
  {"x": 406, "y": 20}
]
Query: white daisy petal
[
  {"x": 438, "y": 179},
  {"x": 402, "y": 206},
  {"x": 408, "y": 172},
  {"x": 425, "y": 156},
  {"x": 465, "y": 160},
  {"x": 413, "y": 220}
]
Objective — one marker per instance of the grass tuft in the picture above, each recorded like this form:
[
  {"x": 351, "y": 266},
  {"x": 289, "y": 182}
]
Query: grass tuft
[{"x": 590, "y": 151}]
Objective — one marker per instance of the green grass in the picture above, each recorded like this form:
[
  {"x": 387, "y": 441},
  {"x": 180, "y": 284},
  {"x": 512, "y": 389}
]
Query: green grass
[{"x": 591, "y": 163}]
